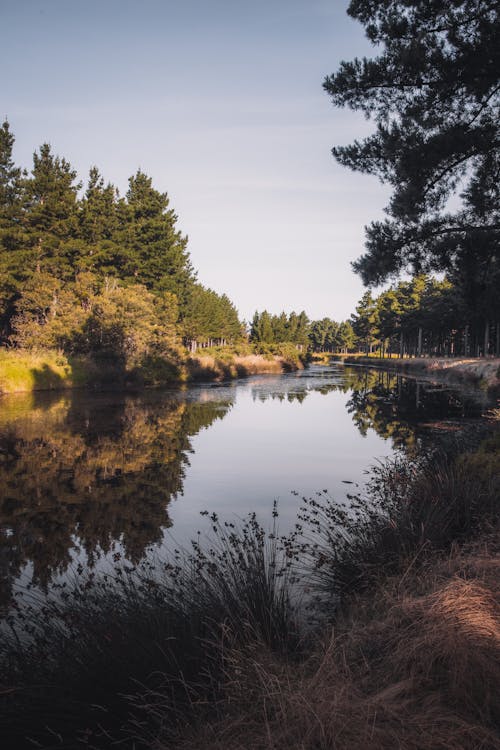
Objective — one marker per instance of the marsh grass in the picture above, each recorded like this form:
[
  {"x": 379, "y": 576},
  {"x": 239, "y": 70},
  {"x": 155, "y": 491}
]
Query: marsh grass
[
  {"x": 75, "y": 664},
  {"x": 410, "y": 509},
  {"x": 413, "y": 664}
]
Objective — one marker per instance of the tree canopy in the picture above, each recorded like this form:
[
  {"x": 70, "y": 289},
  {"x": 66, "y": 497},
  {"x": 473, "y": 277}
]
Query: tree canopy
[
  {"x": 95, "y": 272},
  {"x": 433, "y": 92}
]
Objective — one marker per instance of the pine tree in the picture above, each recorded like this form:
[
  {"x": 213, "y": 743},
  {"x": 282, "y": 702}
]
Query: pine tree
[
  {"x": 10, "y": 223},
  {"x": 51, "y": 216},
  {"x": 152, "y": 250},
  {"x": 433, "y": 92},
  {"x": 364, "y": 321}
]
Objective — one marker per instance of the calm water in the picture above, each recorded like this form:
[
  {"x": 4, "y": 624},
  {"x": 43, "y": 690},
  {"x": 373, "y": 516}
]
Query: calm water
[{"x": 85, "y": 478}]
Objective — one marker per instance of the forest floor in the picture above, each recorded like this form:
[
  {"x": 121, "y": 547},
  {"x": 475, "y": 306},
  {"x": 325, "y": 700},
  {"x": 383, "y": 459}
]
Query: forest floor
[{"x": 482, "y": 371}]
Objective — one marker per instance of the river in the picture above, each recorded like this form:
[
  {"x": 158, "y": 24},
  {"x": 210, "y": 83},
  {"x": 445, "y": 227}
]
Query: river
[{"x": 87, "y": 479}]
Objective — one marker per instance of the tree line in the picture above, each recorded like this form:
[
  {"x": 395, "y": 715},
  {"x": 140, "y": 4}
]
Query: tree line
[
  {"x": 433, "y": 94},
  {"x": 92, "y": 271},
  {"x": 423, "y": 316}
]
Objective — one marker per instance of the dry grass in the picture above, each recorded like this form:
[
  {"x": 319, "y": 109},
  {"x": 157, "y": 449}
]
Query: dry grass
[
  {"x": 208, "y": 367},
  {"x": 414, "y": 665}
]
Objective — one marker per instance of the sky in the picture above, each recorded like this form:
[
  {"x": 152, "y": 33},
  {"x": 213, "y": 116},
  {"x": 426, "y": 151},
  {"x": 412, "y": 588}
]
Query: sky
[{"x": 221, "y": 103}]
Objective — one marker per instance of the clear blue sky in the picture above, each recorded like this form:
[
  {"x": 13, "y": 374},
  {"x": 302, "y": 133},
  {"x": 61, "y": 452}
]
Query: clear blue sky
[{"x": 221, "y": 102}]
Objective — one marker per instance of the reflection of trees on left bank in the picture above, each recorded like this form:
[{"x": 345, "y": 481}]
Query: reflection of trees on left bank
[{"x": 89, "y": 474}]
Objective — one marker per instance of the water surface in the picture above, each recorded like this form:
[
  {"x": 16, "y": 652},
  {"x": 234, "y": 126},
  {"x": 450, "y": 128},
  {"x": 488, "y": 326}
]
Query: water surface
[{"x": 89, "y": 478}]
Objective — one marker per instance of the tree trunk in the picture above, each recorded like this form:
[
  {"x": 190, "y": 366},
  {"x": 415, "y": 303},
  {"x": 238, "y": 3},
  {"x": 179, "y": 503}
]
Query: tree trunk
[{"x": 486, "y": 338}]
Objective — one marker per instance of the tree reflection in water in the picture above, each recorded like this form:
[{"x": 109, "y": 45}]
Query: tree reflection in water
[
  {"x": 405, "y": 411},
  {"x": 85, "y": 475}
]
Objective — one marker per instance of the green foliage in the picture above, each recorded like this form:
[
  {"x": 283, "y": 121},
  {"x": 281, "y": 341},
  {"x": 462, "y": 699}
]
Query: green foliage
[
  {"x": 268, "y": 329},
  {"x": 365, "y": 320},
  {"x": 284, "y": 349},
  {"x": 97, "y": 273},
  {"x": 328, "y": 336},
  {"x": 209, "y": 317},
  {"x": 109, "y": 320},
  {"x": 421, "y": 316},
  {"x": 433, "y": 92}
]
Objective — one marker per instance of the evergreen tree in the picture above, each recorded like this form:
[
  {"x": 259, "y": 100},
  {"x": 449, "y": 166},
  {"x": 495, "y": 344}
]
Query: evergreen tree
[
  {"x": 346, "y": 336},
  {"x": 209, "y": 318},
  {"x": 50, "y": 217},
  {"x": 262, "y": 329},
  {"x": 434, "y": 94},
  {"x": 152, "y": 250},
  {"x": 98, "y": 213},
  {"x": 97, "y": 273},
  {"x": 10, "y": 222},
  {"x": 365, "y": 321},
  {"x": 10, "y": 177}
]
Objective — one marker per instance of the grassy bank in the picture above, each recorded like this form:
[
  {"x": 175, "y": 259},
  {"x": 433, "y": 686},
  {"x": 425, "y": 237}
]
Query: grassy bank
[
  {"x": 222, "y": 363},
  {"x": 212, "y": 649},
  {"x": 413, "y": 665},
  {"x": 29, "y": 371},
  {"x": 475, "y": 371},
  {"x": 24, "y": 371}
]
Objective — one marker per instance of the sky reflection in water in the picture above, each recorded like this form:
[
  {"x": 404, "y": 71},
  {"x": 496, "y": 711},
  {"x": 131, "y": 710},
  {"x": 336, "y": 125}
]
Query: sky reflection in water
[{"x": 84, "y": 478}]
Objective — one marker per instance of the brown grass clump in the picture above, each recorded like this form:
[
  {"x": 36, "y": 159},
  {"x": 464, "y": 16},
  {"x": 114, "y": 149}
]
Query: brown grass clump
[
  {"x": 208, "y": 367},
  {"x": 413, "y": 665}
]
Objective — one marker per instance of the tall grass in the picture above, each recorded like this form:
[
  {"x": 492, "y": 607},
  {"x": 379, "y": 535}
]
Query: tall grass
[
  {"x": 414, "y": 664},
  {"x": 75, "y": 664},
  {"x": 27, "y": 371},
  {"x": 208, "y": 644},
  {"x": 410, "y": 508}
]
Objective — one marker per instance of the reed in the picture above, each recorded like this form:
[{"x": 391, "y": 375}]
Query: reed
[
  {"x": 75, "y": 662},
  {"x": 410, "y": 508}
]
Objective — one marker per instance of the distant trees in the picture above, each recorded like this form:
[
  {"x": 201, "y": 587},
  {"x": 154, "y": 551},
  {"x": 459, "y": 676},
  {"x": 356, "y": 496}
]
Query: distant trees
[
  {"x": 418, "y": 317},
  {"x": 434, "y": 94},
  {"x": 275, "y": 329},
  {"x": 365, "y": 321},
  {"x": 94, "y": 271},
  {"x": 326, "y": 335},
  {"x": 209, "y": 319}
]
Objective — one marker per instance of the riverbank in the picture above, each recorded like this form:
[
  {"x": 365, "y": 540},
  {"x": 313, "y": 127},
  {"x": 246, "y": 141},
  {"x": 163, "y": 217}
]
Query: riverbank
[
  {"x": 481, "y": 372},
  {"x": 209, "y": 651},
  {"x": 26, "y": 371},
  {"x": 414, "y": 664}
]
